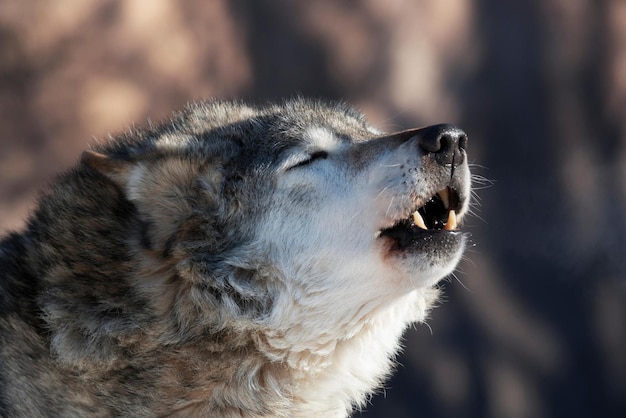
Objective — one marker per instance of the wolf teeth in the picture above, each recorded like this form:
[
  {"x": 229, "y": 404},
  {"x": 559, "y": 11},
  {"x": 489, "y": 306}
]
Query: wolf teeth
[
  {"x": 445, "y": 197},
  {"x": 418, "y": 220},
  {"x": 451, "y": 222}
]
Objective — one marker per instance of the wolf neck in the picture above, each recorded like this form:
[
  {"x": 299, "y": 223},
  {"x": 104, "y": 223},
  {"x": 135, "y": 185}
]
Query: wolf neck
[{"x": 332, "y": 383}]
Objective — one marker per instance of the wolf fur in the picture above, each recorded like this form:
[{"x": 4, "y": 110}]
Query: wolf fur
[{"x": 226, "y": 263}]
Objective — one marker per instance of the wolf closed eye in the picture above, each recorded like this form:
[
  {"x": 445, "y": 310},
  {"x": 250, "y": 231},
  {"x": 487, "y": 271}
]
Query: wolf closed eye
[{"x": 317, "y": 155}]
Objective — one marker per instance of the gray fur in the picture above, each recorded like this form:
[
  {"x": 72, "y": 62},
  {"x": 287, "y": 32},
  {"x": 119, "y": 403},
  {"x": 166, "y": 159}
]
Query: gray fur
[{"x": 153, "y": 304}]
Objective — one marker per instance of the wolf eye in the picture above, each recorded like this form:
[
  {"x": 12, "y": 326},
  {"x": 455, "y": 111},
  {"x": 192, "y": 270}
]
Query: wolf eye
[{"x": 317, "y": 155}]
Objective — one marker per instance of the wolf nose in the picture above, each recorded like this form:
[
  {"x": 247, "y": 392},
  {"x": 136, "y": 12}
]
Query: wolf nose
[{"x": 443, "y": 143}]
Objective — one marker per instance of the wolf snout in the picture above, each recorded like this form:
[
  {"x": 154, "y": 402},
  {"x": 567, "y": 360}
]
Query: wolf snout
[{"x": 444, "y": 143}]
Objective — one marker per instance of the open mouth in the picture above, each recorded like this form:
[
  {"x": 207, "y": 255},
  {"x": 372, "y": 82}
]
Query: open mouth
[{"x": 437, "y": 215}]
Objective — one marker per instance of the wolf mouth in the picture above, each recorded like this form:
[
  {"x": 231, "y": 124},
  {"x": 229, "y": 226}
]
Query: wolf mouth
[{"x": 437, "y": 216}]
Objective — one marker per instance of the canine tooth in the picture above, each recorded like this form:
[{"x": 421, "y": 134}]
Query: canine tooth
[
  {"x": 418, "y": 220},
  {"x": 451, "y": 223},
  {"x": 445, "y": 197}
]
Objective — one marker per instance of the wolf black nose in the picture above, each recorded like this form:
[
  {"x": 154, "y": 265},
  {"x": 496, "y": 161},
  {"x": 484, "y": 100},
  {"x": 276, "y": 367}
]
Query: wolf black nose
[{"x": 443, "y": 143}]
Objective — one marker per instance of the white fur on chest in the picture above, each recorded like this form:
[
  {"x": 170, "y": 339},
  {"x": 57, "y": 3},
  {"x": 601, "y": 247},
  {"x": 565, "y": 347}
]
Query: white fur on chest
[{"x": 358, "y": 365}]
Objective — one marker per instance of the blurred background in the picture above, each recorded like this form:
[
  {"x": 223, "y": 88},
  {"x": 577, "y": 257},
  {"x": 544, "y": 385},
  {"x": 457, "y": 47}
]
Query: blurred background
[{"x": 535, "y": 325}]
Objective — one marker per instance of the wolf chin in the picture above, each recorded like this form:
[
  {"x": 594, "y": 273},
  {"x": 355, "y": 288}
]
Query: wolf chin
[{"x": 234, "y": 261}]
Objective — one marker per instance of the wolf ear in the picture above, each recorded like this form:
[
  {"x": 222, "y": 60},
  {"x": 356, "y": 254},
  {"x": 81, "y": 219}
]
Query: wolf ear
[{"x": 115, "y": 169}]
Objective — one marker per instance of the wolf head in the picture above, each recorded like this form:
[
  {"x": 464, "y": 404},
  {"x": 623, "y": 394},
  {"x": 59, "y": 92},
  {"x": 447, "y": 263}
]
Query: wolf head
[{"x": 296, "y": 226}]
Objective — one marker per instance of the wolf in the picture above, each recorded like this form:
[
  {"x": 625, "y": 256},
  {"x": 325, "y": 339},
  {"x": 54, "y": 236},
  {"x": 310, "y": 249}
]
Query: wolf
[{"x": 233, "y": 261}]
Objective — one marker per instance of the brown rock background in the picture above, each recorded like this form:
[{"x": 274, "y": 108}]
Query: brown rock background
[{"x": 538, "y": 328}]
